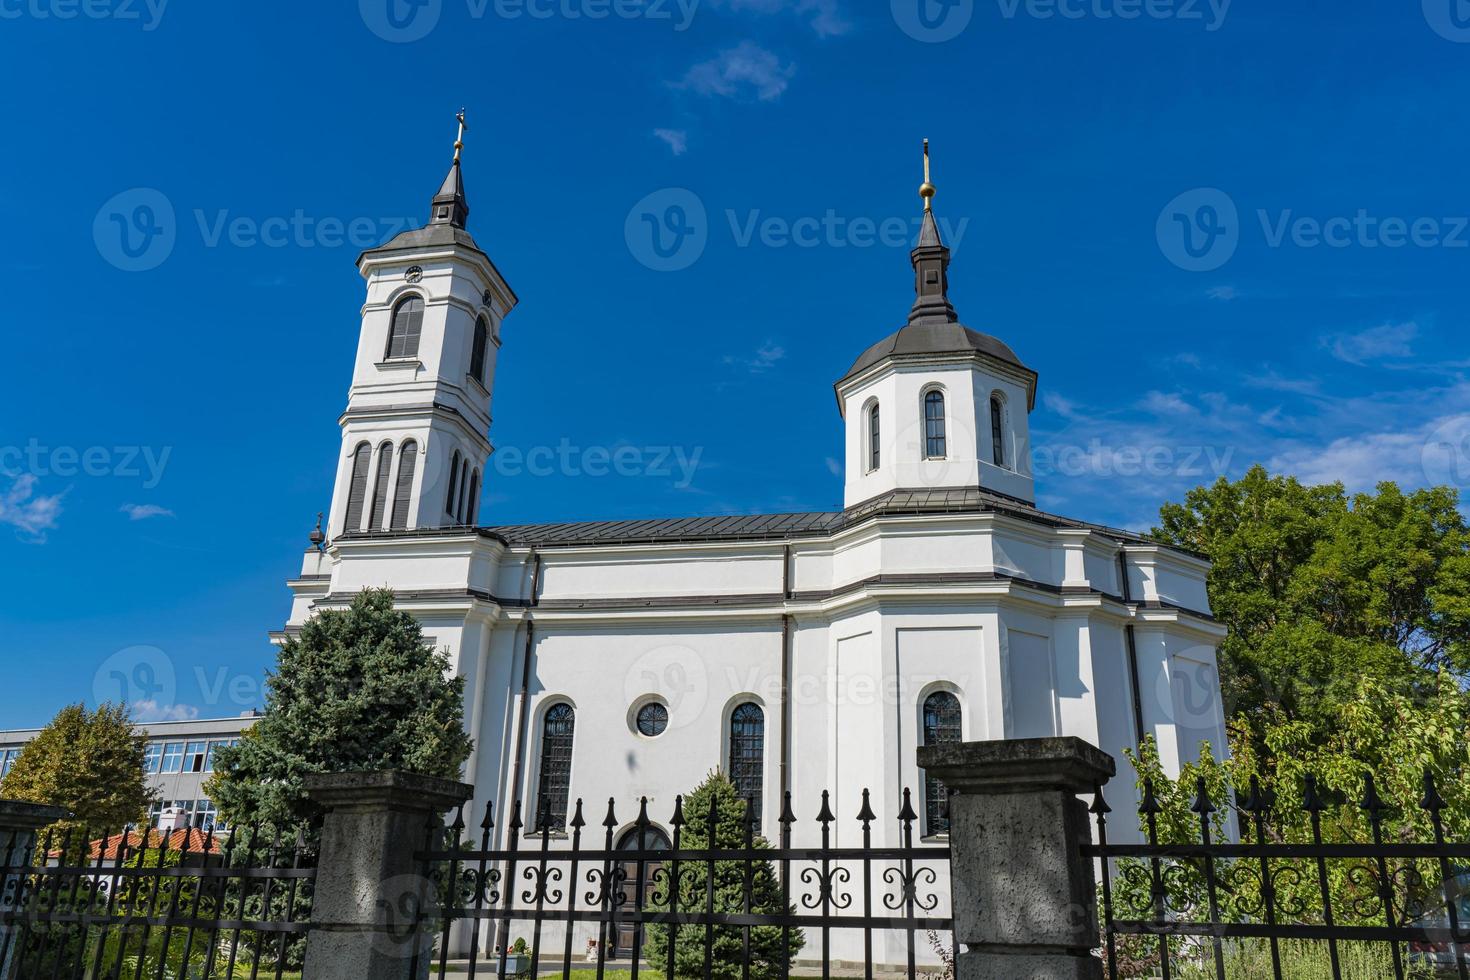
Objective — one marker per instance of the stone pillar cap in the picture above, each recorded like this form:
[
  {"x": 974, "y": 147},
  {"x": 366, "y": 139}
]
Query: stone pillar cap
[
  {"x": 403, "y": 790},
  {"x": 1018, "y": 765},
  {"x": 23, "y": 815}
]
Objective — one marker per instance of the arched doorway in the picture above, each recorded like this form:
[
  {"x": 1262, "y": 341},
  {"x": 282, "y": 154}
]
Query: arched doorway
[{"x": 652, "y": 839}]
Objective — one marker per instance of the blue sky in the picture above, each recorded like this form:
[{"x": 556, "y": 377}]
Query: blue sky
[{"x": 1222, "y": 234}]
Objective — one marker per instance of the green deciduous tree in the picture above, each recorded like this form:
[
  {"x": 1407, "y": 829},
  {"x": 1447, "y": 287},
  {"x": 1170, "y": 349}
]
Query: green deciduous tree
[
  {"x": 358, "y": 689},
  {"x": 768, "y": 954},
  {"x": 91, "y": 763},
  {"x": 1321, "y": 588}
]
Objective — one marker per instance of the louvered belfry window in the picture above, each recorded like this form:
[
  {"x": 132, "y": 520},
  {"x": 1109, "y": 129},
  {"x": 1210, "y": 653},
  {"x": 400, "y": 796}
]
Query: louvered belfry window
[
  {"x": 477, "y": 355},
  {"x": 997, "y": 434},
  {"x": 934, "y": 439},
  {"x": 555, "y": 781},
  {"x": 941, "y": 726},
  {"x": 875, "y": 456},
  {"x": 408, "y": 458},
  {"x": 408, "y": 323},
  {"x": 453, "y": 483},
  {"x": 472, "y": 506},
  {"x": 380, "y": 487},
  {"x": 747, "y": 753},
  {"x": 357, "y": 489}
]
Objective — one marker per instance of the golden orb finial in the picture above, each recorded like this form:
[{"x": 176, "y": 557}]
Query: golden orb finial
[{"x": 927, "y": 190}]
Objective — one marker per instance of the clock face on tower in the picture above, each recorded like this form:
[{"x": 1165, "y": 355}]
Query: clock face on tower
[{"x": 415, "y": 274}]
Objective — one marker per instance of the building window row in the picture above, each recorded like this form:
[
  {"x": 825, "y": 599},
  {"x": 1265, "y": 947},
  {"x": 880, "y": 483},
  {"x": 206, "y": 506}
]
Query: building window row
[
  {"x": 7, "y": 761},
  {"x": 942, "y": 720},
  {"x": 176, "y": 757},
  {"x": 936, "y": 437},
  {"x": 388, "y": 482},
  {"x": 200, "y": 813},
  {"x": 462, "y": 503}
]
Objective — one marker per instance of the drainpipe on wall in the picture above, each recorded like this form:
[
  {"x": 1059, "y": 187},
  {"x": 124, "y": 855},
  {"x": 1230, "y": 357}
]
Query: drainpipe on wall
[
  {"x": 525, "y": 695},
  {"x": 1132, "y": 647},
  {"x": 782, "y": 767}
]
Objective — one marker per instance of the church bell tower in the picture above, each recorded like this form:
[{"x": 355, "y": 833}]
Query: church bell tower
[{"x": 415, "y": 434}]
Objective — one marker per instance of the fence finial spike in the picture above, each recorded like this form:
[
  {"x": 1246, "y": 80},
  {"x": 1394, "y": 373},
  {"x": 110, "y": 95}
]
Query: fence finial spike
[
  {"x": 1099, "y": 803},
  {"x": 1432, "y": 801},
  {"x": 1372, "y": 803},
  {"x": 787, "y": 816},
  {"x": 577, "y": 820},
  {"x": 1311, "y": 798},
  {"x": 825, "y": 814},
  {"x": 489, "y": 820},
  {"x": 906, "y": 814},
  {"x": 642, "y": 821},
  {"x": 1202, "y": 804},
  {"x": 611, "y": 820},
  {"x": 1150, "y": 804},
  {"x": 677, "y": 820},
  {"x": 458, "y": 824},
  {"x": 515, "y": 817},
  {"x": 866, "y": 815}
]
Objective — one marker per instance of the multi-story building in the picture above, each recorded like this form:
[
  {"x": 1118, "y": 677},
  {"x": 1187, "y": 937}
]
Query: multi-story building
[{"x": 178, "y": 761}]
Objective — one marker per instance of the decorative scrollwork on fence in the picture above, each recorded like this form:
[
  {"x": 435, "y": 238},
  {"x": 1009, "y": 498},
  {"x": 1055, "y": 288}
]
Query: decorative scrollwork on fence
[
  {"x": 908, "y": 889},
  {"x": 827, "y": 887}
]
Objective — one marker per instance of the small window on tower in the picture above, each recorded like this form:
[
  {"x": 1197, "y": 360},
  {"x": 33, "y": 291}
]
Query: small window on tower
[
  {"x": 934, "y": 436},
  {"x": 477, "y": 354},
  {"x": 997, "y": 433},
  {"x": 408, "y": 323},
  {"x": 875, "y": 455}
]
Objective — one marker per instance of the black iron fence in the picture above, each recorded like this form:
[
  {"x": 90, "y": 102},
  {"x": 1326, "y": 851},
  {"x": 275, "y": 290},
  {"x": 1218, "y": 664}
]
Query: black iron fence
[
  {"x": 701, "y": 895},
  {"x": 153, "y": 904},
  {"x": 1382, "y": 894}
]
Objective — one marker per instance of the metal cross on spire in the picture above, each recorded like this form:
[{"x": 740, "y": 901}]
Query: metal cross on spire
[
  {"x": 928, "y": 189},
  {"x": 459, "y": 139}
]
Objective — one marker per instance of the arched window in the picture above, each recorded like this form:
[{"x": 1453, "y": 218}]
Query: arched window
[
  {"x": 650, "y": 839},
  {"x": 380, "y": 487},
  {"x": 941, "y": 726},
  {"x": 747, "y": 752},
  {"x": 875, "y": 455},
  {"x": 477, "y": 352},
  {"x": 934, "y": 442},
  {"x": 997, "y": 434},
  {"x": 362, "y": 458},
  {"x": 453, "y": 483},
  {"x": 408, "y": 458},
  {"x": 464, "y": 488},
  {"x": 472, "y": 508},
  {"x": 408, "y": 323},
  {"x": 556, "y": 768}
]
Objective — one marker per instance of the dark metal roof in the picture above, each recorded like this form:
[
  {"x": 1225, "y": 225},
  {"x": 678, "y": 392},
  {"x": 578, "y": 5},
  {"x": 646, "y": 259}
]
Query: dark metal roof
[
  {"x": 934, "y": 338},
  {"x": 780, "y": 527}
]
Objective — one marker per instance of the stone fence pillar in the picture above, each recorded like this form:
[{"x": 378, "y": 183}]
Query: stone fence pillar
[
  {"x": 369, "y": 887},
  {"x": 19, "y": 823},
  {"x": 1024, "y": 896}
]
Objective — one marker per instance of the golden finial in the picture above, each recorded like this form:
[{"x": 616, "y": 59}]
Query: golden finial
[
  {"x": 459, "y": 140},
  {"x": 928, "y": 189}
]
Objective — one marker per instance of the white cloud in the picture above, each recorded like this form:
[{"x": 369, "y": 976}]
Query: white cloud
[
  {"x": 1223, "y": 293},
  {"x": 30, "y": 515},
  {"x": 1388, "y": 341},
  {"x": 677, "y": 139},
  {"x": 765, "y": 357},
  {"x": 1166, "y": 404},
  {"x": 826, "y": 15},
  {"x": 1064, "y": 407},
  {"x": 834, "y": 467},
  {"x": 141, "y": 512},
  {"x": 741, "y": 72},
  {"x": 150, "y": 710}
]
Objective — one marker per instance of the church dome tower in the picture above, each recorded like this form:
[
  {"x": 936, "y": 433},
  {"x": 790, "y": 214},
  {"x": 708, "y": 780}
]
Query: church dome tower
[
  {"x": 415, "y": 433},
  {"x": 936, "y": 404}
]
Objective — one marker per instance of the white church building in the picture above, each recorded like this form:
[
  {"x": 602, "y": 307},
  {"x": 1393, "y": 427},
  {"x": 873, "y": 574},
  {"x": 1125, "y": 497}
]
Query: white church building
[{"x": 797, "y": 652}]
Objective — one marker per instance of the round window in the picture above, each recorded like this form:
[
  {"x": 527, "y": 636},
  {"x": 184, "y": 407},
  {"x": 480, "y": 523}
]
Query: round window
[{"x": 653, "y": 718}]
